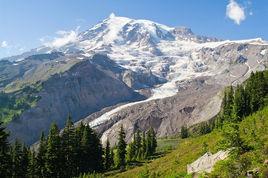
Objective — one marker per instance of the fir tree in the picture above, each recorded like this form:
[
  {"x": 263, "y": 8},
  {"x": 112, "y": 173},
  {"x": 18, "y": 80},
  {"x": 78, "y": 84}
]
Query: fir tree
[
  {"x": 32, "y": 168},
  {"x": 5, "y": 159},
  {"x": 150, "y": 142},
  {"x": 143, "y": 145},
  {"x": 107, "y": 156},
  {"x": 53, "y": 154},
  {"x": 17, "y": 154},
  {"x": 41, "y": 156},
  {"x": 131, "y": 152},
  {"x": 91, "y": 151},
  {"x": 184, "y": 132},
  {"x": 121, "y": 152},
  {"x": 137, "y": 145},
  {"x": 69, "y": 149}
]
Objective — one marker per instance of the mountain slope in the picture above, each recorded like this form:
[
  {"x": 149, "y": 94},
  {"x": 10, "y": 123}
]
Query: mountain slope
[
  {"x": 142, "y": 56},
  {"x": 174, "y": 164}
]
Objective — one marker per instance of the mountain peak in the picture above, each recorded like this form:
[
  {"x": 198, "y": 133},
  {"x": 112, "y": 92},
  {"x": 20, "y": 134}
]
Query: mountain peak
[{"x": 112, "y": 15}]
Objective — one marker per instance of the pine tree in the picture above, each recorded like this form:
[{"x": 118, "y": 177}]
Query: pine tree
[
  {"x": 131, "y": 152},
  {"x": 107, "y": 156},
  {"x": 53, "y": 154},
  {"x": 151, "y": 142},
  {"x": 17, "y": 154},
  {"x": 79, "y": 151},
  {"x": 121, "y": 152},
  {"x": 41, "y": 156},
  {"x": 32, "y": 168},
  {"x": 137, "y": 145},
  {"x": 184, "y": 132},
  {"x": 154, "y": 140},
  {"x": 143, "y": 145},
  {"x": 25, "y": 160},
  {"x": 91, "y": 151},
  {"x": 5, "y": 159},
  {"x": 239, "y": 108},
  {"x": 228, "y": 101},
  {"x": 69, "y": 149}
]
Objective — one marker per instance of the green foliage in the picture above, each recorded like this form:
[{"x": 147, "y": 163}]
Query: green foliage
[
  {"x": 5, "y": 159},
  {"x": 121, "y": 149},
  {"x": 19, "y": 156},
  {"x": 108, "y": 157},
  {"x": 53, "y": 157},
  {"x": 250, "y": 136},
  {"x": 184, "y": 132},
  {"x": 41, "y": 156},
  {"x": 245, "y": 99},
  {"x": 14, "y": 104}
]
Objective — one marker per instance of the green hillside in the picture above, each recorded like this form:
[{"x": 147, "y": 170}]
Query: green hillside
[{"x": 253, "y": 131}]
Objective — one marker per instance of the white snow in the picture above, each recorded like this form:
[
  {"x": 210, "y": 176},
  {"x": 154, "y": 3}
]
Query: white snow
[
  {"x": 181, "y": 57},
  {"x": 263, "y": 52}
]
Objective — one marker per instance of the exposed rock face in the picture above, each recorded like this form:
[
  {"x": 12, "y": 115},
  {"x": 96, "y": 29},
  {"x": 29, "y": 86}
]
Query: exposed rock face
[
  {"x": 191, "y": 105},
  {"x": 180, "y": 72},
  {"x": 206, "y": 162},
  {"x": 82, "y": 90}
]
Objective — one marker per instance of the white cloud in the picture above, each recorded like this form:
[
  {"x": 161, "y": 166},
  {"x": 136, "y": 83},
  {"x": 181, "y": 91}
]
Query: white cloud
[
  {"x": 235, "y": 12},
  {"x": 3, "y": 44},
  {"x": 65, "y": 37}
]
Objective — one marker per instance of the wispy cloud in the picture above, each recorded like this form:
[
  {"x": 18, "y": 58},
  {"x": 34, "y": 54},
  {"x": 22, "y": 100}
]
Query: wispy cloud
[
  {"x": 64, "y": 38},
  {"x": 4, "y": 44},
  {"x": 235, "y": 12}
]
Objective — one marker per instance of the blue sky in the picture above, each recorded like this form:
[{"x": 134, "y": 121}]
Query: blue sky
[{"x": 24, "y": 23}]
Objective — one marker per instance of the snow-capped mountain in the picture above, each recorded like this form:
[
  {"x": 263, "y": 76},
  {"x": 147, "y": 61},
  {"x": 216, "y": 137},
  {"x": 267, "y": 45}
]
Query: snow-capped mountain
[{"x": 166, "y": 64}]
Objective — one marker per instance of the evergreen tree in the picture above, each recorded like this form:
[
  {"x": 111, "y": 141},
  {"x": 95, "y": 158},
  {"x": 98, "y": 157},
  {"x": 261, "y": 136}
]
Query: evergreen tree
[
  {"x": 143, "y": 145},
  {"x": 18, "y": 167},
  {"x": 137, "y": 145},
  {"x": 25, "y": 160},
  {"x": 151, "y": 142},
  {"x": 5, "y": 159},
  {"x": 79, "y": 151},
  {"x": 239, "y": 106},
  {"x": 32, "y": 168},
  {"x": 228, "y": 101},
  {"x": 154, "y": 140},
  {"x": 131, "y": 152},
  {"x": 121, "y": 152},
  {"x": 53, "y": 154},
  {"x": 41, "y": 156},
  {"x": 69, "y": 149},
  {"x": 184, "y": 132},
  {"x": 108, "y": 156},
  {"x": 204, "y": 128},
  {"x": 91, "y": 151}
]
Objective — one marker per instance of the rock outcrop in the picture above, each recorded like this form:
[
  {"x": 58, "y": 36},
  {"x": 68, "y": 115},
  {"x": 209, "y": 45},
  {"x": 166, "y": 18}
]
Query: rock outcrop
[
  {"x": 206, "y": 162},
  {"x": 80, "y": 91}
]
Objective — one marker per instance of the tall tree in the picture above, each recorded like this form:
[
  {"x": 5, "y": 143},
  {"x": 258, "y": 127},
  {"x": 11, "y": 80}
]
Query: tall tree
[
  {"x": 91, "y": 151},
  {"x": 69, "y": 148},
  {"x": 131, "y": 152},
  {"x": 32, "y": 168},
  {"x": 184, "y": 132},
  {"x": 143, "y": 145},
  {"x": 151, "y": 142},
  {"x": 137, "y": 145},
  {"x": 239, "y": 108},
  {"x": 4, "y": 153},
  {"x": 121, "y": 152},
  {"x": 53, "y": 154},
  {"x": 41, "y": 156},
  {"x": 18, "y": 167},
  {"x": 107, "y": 156},
  {"x": 79, "y": 151}
]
